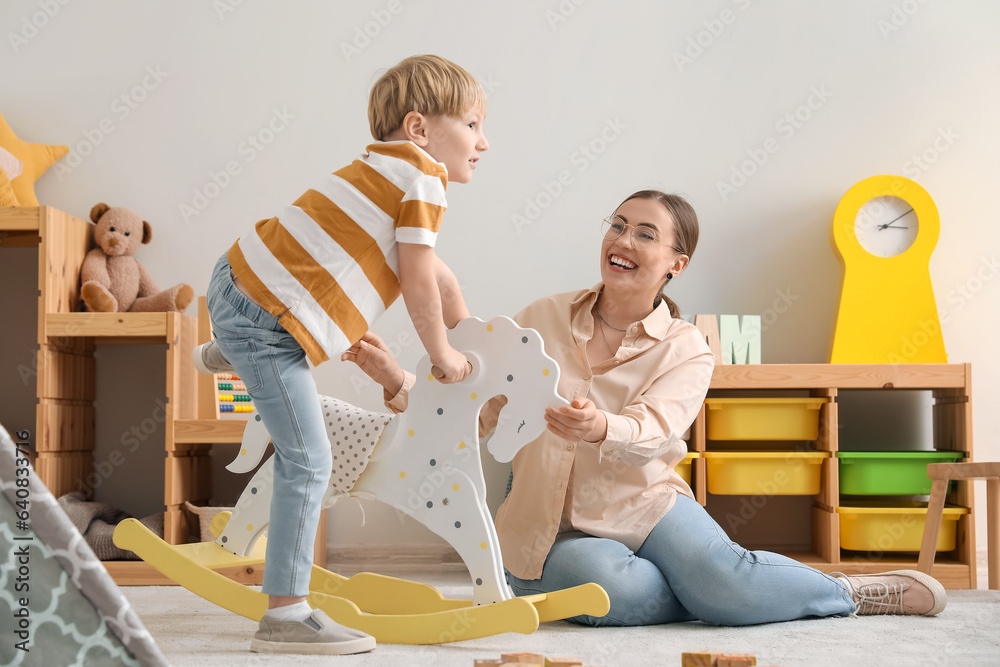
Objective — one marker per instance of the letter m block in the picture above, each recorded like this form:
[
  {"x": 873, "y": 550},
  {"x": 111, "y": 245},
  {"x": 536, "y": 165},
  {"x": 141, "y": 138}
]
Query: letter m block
[{"x": 740, "y": 340}]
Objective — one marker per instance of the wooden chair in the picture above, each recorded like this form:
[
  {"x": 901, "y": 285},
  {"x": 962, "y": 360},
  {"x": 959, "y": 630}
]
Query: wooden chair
[{"x": 942, "y": 473}]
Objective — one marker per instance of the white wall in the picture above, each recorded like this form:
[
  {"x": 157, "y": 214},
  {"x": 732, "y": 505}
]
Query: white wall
[{"x": 889, "y": 81}]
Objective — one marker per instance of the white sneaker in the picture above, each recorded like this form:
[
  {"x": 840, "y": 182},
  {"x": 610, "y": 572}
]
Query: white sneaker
[{"x": 208, "y": 359}]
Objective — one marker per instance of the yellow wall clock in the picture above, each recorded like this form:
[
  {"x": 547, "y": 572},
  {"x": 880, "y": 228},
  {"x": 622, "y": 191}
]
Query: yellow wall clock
[{"x": 883, "y": 233}]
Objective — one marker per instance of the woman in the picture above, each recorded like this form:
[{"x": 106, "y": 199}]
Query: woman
[{"x": 597, "y": 499}]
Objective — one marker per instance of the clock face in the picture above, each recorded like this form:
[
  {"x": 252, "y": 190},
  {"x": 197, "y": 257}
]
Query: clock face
[{"x": 886, "y": 226}]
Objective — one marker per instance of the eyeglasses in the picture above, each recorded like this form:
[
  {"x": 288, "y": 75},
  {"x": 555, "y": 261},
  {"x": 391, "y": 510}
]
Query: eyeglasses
[{"x": 642, "y": 237}]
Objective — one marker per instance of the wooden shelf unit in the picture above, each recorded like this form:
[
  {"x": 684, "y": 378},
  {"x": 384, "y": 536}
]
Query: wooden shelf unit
[
  {"x": 951, "y": 389},
  {"x": 66, "y": 385}
]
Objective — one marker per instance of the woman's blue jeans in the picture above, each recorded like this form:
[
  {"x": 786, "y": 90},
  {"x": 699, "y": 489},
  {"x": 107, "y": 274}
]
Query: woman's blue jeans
[
  {"x": 274, "y": 368},
  {"x": 688, "y": 569}
]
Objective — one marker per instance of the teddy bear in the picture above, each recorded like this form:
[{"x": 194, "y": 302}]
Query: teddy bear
[{"x": 112, "y": 279}]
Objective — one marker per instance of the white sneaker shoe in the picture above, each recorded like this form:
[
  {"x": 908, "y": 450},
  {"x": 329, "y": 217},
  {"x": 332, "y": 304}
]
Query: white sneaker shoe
[{"x": 208, "y": 359}]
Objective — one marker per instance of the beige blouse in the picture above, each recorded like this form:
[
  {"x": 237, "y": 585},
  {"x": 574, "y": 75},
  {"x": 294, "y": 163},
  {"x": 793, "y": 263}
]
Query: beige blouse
[{"x": 619, "y": 488}]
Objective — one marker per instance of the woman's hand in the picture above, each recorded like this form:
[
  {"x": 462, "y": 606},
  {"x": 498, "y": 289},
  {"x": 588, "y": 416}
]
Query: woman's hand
[
  {"x": 372, "y": 355},
  {"x": 580, "y": 420}
]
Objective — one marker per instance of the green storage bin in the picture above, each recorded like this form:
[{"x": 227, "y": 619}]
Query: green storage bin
[{"x": 889, "y": 473}]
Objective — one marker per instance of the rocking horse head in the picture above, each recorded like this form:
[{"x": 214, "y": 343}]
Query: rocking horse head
[{"x": 506, "y": 360}]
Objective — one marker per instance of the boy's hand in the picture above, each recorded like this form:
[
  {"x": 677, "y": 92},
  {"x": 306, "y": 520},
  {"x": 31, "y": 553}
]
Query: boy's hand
[
  {"x": 451, "y": 367},
  {"x": 580, "y": 420},
  {"x": 372, "y": 355}
]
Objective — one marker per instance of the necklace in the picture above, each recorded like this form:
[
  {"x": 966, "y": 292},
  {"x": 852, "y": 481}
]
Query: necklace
[
  {"x": 604, "y": 334},
  {"x": 597, "y": 307},
  {"x": 607, "y": 343}
]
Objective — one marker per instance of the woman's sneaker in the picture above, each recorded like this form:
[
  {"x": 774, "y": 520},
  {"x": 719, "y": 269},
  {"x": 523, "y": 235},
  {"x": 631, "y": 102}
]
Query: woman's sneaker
[
  {"x": 208, "y": 359},
  {"x": 896, "y": 592},
  {"x": 317, "y": 635}
]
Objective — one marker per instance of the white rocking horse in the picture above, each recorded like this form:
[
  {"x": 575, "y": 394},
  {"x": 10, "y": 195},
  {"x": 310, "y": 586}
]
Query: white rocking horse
[{"x": 424, "y": 462}]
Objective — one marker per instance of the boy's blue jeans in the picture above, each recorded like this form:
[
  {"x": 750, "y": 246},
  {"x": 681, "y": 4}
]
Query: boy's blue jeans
[
  {"x": 274, "y": 368},
  {"x": 688, "y": 569}
]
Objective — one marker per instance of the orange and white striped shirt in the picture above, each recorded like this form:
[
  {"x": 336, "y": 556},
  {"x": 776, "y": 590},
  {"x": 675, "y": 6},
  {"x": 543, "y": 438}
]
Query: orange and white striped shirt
[{"x": 327, "y": 266}]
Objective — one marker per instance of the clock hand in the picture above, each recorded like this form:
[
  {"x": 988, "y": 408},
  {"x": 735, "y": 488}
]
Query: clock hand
[{"x": 881, "y": 227}]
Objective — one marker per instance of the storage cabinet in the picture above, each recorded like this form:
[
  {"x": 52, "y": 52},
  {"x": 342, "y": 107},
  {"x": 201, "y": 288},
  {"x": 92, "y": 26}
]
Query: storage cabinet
[
  {"x": 949, "y": 386},
  {"x": 66, "y": 379}
]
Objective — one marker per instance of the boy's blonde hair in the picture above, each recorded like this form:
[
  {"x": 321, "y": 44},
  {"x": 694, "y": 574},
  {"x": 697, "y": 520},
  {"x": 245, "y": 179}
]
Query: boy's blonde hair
[{"x": 427, "y": 84}]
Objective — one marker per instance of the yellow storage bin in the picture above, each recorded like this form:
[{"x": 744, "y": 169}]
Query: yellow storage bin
[
  {"x": 684, "y": 467},
  {"x": 768, "y": 473},
  {"x": 763, "y": 418},
  {"x": 875, "y": 526}
]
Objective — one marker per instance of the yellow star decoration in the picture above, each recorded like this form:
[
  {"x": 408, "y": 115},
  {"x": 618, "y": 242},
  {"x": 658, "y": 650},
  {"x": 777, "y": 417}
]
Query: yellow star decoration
[{"x": 37, "y": 158}]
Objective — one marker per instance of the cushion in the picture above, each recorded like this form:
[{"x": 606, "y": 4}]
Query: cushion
[{"x": 36, "y": 158}]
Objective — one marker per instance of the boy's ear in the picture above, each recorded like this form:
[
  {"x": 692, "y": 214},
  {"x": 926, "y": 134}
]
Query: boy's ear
[{"x": 414, "y": 128}]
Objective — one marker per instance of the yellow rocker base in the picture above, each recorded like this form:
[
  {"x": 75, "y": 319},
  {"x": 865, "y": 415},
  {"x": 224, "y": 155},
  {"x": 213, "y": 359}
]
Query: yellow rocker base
[{"x": 394, "y": 611}]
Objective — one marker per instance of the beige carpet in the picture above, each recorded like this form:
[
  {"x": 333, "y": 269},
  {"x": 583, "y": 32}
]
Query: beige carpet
[{"x": 191, "y": 631}]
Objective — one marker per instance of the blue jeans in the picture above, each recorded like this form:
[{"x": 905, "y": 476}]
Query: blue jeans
[
  {"x": 686, "y": 570},
  {"x": 273, "y": 366}
]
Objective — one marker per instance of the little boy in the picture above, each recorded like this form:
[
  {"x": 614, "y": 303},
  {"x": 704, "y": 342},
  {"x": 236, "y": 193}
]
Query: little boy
[{"x": 306, "y": 285}]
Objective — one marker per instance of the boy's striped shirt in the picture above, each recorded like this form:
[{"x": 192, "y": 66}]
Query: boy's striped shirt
[{"x": 327, "y": 266}]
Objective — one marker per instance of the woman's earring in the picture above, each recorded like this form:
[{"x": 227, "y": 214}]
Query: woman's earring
[{"x": 670, "y": 276}]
